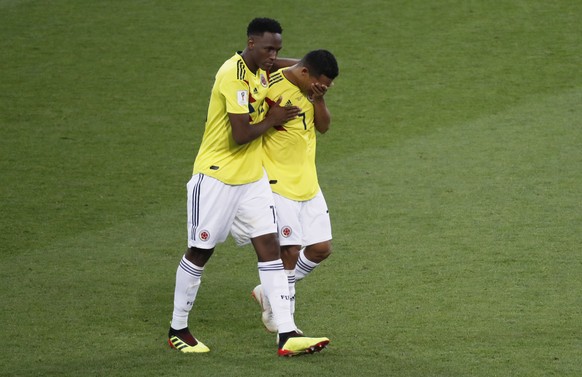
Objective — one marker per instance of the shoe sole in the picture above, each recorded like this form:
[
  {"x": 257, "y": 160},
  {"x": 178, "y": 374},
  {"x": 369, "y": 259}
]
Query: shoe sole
[{"x": 313, "y": 349}]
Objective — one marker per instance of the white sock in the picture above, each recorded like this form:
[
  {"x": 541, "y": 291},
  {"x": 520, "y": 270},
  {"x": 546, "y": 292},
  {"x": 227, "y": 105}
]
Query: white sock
[
  {"x": 188, "y": 278},
  {"x": 291, "y": 282},
  {"x": 276, "y": 288},
  {"x": 304, "y": 266}
]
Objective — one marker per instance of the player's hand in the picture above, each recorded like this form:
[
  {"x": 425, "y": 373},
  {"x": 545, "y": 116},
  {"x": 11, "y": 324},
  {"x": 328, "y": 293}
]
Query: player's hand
[
  {"x": 317, "y": 91},
  {"x": 280, "y": 114}
]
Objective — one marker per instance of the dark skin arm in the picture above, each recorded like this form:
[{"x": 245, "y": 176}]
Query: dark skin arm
[
  {"x": 283, "y": 63},
  {"x": 243, "y": 132}
]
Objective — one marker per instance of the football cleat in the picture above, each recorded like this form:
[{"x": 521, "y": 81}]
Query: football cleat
[
  {"x": 266, "y": 311},
  {"x": 298, "y": 331},
  {"x": 300, "y": 345},
  {"x": 185, "y": 342}
]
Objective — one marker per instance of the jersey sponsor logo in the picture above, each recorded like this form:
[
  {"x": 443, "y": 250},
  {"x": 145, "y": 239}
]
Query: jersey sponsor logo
[
  {"x": 204, "y": 235},
  {"x": 286, "y": 231},
  {"x": 242, "y": 97},
  {"x": 264, "y": 81}
]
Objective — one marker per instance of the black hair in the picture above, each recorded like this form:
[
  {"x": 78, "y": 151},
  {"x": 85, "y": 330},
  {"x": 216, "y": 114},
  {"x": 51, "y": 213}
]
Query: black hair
[
  {"x": 258, "y": 26},
  {"x": 321, "y": 62}
]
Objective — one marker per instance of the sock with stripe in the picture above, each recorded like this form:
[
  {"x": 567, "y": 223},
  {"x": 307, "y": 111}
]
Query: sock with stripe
[
  {"x": 304, "y": 266},
  {"x": 276, "y": 288},
  {"x": 188, "y": 278}
]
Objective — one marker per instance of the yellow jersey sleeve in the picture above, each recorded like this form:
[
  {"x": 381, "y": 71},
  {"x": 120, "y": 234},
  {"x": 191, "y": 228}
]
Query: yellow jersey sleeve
[{"x": 289, "y": 149}]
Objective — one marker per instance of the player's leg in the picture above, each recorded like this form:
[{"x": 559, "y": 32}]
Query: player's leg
[
  {"x": 316, "y": 227},
  {"x": 290, "y": 236},
  {"x": 289, "y": 255},
  {"x": 257, "y": 220},
  {"x": 188, "y": 278},
  {"x": 309, "y": 257},
  {"x": 289, "y": 228},
  {"x": 315, "y": 230},
  {"x": 275, "y": 287},
  {"x": 205, "y": 230},
  {"x": 274, "y": 280}
]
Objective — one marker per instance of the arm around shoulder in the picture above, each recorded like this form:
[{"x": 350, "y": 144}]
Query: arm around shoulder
[
  {"x": 283, "y": 63},
  {"x": 242, "y": 131}
]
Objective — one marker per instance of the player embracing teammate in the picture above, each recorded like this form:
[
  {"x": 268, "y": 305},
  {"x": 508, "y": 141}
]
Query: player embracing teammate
[{"x": 230, "y": 192}]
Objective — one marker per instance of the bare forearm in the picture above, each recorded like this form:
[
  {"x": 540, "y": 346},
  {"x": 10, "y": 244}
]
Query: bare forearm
[
  {"x": 283, "y": 63},
  {"x": 321, "y": 116},
  {"x": 247, "y": 134},
  {"x": 244, "y": 132}
]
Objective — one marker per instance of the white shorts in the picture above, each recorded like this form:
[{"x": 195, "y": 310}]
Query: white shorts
[
  {"x": 215, "y": 209},
  {"x": 302, "y": 223}
]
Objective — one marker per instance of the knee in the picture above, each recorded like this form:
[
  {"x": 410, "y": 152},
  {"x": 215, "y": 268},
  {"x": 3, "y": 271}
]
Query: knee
[
  {"x": 198, "y": 256},
  {"x": 318, "y": 252},
  {"x": 326, "y": 251}
]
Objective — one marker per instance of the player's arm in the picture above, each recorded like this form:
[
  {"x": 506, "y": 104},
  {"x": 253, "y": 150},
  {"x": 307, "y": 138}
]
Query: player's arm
[
  {"x": 283, "y": 63},
  {"x": 236, "y": 93},
  {"x": 321, "y": 114},
  {"x": 244, "y": 132}
]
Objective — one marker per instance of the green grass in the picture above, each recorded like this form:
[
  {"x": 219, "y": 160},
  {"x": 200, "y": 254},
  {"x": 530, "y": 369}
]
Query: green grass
[{"x": 452, "y": 172}]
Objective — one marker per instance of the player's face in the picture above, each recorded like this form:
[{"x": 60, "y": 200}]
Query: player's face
[{"x": 265, "y": 49}]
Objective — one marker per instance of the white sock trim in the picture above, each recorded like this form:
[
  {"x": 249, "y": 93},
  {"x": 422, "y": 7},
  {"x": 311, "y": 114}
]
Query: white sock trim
[
  {"x": 304, "y": 266},
  {"x": 188, "y": 278}
]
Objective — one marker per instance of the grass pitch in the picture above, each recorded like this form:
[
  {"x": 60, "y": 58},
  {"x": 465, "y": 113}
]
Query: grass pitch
[{"x": 452, "y": 172}]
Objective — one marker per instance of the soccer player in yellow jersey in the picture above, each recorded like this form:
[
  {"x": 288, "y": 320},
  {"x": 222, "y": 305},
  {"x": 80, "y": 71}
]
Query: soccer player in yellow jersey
[
  {"x": 289, "y": 160},
  {"x": 229, "y": 191}
]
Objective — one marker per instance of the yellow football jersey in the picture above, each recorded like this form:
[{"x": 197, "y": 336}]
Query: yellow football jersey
[
  {"x": 236, "y": 90},
  {"x": 289, "y": 150}
]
